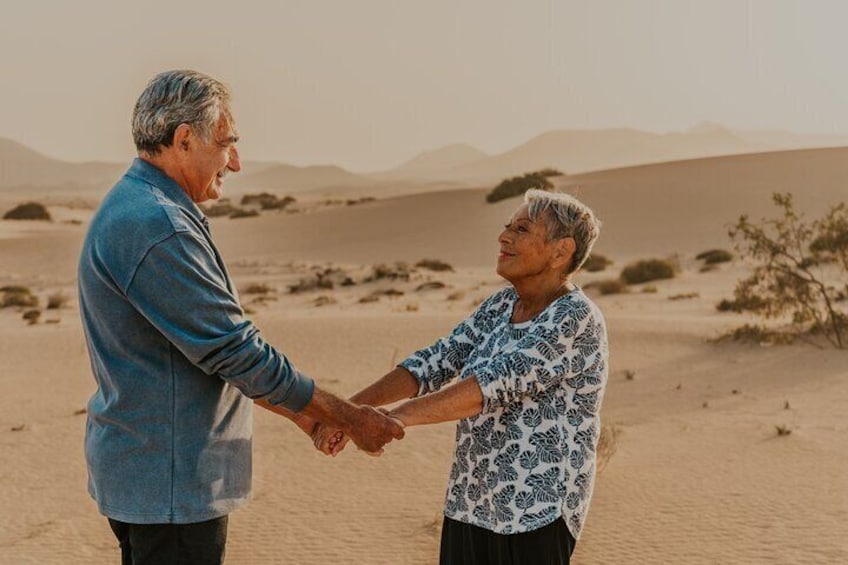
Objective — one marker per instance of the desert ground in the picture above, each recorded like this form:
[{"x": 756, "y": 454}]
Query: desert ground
[{"x": 694, "y": 470}]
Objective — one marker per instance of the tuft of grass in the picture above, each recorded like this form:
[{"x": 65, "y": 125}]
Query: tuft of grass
[
  {"x": 17, "y": 296},
  {"x": 629, "y": 374},
  {"x": 457, "y": 295},
  {"x": 28, "y": 211},
  {"x": 257, "y": 288},
  {"x": 323, "y": 300},
  {"x": 783, "y": 430},
  {"x": 647, "y": 270},
  {"x": 649, "y": 289},
  {"x": 56, "y": 301},
  {"x": 611, "y": 286},
  {"x": 32, "y": 316},
  {"x": 430, "y": 285},
  {"x": 714, "y": 256},
  {"x": 516, "y": 186},
  {"x": 684, "y": 296},
  {"x": 606, "y": 446},
  {"x": 243, "y": 214},
  {"x": 596, "y": 262},
  {"x": 434, "y": 265}
]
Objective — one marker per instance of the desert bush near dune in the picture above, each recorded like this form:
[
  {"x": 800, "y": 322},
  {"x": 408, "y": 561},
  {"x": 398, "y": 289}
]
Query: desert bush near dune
[
  {"x": 17, "y": 296},
  {"x": 799, "y": 273},
  {"x": 516, "y": 186},
  {"x": 714, "y": 256},
  {"x": 28, "y": 211},
  {"x": 596, "y": 262},
  {"x": 648, "y": 270}
]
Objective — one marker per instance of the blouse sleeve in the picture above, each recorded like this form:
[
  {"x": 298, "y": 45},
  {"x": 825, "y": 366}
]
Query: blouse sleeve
[
  {"x": 572, "y": 347},
  {"x": 437, "y": 365}
]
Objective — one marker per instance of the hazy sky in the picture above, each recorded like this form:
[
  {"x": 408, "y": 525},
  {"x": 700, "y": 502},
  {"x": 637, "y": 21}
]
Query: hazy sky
[{"x": 368, "y": 84}]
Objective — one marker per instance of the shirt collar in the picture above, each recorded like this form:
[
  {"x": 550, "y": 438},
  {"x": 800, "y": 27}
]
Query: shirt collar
[{"x": 148, "y": 172}]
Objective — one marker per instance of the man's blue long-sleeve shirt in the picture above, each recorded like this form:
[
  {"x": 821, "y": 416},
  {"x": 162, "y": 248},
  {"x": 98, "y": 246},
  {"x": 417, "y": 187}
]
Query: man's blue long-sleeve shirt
[{"x": 169, "y": 431}]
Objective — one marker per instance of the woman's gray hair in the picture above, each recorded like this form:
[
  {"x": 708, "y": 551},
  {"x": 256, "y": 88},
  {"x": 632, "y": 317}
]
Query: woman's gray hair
[
  {"x": 173, "y": 98},
  {"x": 565, "y": 216}
]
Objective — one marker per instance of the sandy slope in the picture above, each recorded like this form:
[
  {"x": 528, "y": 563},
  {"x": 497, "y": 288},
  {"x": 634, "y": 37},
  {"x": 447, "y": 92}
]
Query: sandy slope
[{"x": 698, "y": 474}]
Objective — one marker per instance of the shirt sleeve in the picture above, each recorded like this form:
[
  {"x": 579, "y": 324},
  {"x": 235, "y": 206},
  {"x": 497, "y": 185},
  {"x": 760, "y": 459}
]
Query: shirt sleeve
[
  {"x": 572, "y": 350},
  {"x": 435, "y": 366},
  {"x": 181, "y": 290}
]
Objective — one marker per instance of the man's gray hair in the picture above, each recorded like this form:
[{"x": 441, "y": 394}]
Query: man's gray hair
[
  {"x": 565, "y": 216},
  {"x": 173, "y": 98}
]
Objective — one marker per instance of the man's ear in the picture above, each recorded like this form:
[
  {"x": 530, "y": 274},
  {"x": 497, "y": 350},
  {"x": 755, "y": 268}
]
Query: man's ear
[{"x": 183, "y": 137}]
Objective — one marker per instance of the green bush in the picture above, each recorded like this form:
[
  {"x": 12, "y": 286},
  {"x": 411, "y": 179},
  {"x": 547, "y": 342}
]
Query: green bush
[
  {"x": 516, "y": 186},
  {"x": 714, "y": 256},
  {"x": 28, "y": 211},
  {"x": 647, "y": 270}
]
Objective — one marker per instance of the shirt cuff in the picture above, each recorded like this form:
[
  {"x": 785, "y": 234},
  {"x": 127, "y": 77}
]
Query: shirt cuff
[
  {"x": 410, "y": 365},
  {"x": 296, "y": 396}
]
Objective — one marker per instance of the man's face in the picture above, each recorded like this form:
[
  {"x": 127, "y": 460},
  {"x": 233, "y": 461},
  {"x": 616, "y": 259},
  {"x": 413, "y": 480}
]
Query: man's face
[{"x": 208, "y": 162}]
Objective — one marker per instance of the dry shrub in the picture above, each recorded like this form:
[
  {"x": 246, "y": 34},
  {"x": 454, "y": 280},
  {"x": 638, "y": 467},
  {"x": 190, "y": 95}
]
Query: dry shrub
[
  {"x": 397, "y": 271},
  {"x": 17, "y": 296},
  {"x": 240, "y": 213},
  {"x": 363, "y": 200},
  {"x": 28, "y": 211},
  {"x": 714, "y": 256},
  {"x": 326, "y": 279},
  {"x": 516, "y": 186},
  {"x": 219, "y": 209},
  {"x": 648, "y": 270},
  {"x": 434, "y": 265},
  {"x": 324, "y": 300},
  {"x": 430, "y": 285},
  {"x": 457, "y": 295},
  {"x": 609, "y": 286},
  {"x": 751, "y": 333},
  {"x": 684, "y": 296},
  {"x": 649, "y": 289},
  {"x": 595, "y": 263},
  {"x": 32, "y": 316},
  {"x": 257, "y": 288},
  {"x": 56, "y": 300}
]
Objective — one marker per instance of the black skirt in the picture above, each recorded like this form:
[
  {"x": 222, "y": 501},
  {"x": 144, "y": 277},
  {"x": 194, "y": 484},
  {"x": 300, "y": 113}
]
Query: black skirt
[{"x": 464, "y": 544}]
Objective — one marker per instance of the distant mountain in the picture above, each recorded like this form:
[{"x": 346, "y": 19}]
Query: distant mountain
[
  {"x": 293, "y": 179},
  {"x": 435, "y": 161},
  {"x": 21, "y": 166},
  {"x": 578, "y": 151}
]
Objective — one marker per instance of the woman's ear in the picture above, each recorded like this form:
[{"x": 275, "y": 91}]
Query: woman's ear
[{"x": 564, "y": 252}]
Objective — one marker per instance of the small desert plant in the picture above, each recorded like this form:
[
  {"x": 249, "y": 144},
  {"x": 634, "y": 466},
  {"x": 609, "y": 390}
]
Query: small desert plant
[
  {"x": 243, "y": 214},
  {"x": 434, "y": 265},
  {"x": 323, "y": 300},
  {"x": 28, "y": 211},
  {"x": 684, "y": 296},
  {"x": 714, "y": 256},
  {"x": 516, "y": 186},
  {"x": 611, "y": 286},
  {"x": 257, "y": 288},
  {"x": 595, "y": 263},
  {"x": 796, "y": 268},
  {"x": 752, "y": 333},
  {"x": 629, "y": 374},
  {"x": 606, "y": 446},
  {"x": 649, "y": 289},
  {"x": 430, "y": 285},
  {"x": 220, "y": 209},
  {"x": 783, "y": 430},
  {"x": 17, "y": 296},
  {"x": 397, "y": 271},
  {"x": 56, "y": 300},
  {"x": 32, "y": 316},
  {"x": 647, "y": 270}
]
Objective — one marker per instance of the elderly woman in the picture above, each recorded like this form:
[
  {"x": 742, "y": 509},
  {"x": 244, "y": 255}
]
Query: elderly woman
[{"x": 531, "y": 364}]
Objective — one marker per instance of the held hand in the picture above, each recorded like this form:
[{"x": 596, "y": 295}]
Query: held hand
[
  {"x": 372, "y": 429},
  {"x": 329, "y": 440},
  {"x": 305, "y": 423}
]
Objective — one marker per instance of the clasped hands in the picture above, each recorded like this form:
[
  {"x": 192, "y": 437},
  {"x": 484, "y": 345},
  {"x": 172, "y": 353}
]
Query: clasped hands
[{"x": 377, "y": 427}]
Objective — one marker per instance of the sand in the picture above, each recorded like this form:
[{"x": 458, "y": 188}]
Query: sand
[{"x": 697, "y": 473}]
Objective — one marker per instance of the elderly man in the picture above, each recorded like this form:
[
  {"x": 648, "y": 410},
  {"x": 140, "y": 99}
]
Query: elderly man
[{"x": 169, "y": 431}]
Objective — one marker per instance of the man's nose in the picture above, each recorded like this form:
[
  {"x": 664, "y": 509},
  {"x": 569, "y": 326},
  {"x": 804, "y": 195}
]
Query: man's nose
[{"x": 235, "y": 163}]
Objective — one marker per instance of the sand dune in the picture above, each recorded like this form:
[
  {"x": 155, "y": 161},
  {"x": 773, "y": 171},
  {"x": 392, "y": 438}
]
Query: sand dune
[{"x": 698, "y": 473}]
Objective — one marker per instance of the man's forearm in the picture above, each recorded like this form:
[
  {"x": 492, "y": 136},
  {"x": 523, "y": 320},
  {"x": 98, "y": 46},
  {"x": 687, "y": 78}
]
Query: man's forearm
[
  {"x": 455, "y": 402},
  {"x": 397, "y": 384}
]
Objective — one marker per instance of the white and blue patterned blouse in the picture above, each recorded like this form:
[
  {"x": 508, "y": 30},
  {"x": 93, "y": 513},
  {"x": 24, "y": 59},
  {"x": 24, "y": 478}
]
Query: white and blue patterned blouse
[{"x": 529, "y": 457}]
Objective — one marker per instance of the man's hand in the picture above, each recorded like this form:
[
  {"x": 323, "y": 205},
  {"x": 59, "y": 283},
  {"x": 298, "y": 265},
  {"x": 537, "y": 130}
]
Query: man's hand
[
  {"x": 329, "y": 440},
  {"x": 371, "y": 429}
]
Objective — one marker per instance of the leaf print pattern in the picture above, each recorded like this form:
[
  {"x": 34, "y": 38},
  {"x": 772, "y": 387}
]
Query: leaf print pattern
[{"x": 529, "y": 457}]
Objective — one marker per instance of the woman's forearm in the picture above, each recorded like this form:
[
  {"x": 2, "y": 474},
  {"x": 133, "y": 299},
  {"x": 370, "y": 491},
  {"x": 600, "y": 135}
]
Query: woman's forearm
[
  {"x": 397, "y": 384},
  {"x": 455, "y": 402}
]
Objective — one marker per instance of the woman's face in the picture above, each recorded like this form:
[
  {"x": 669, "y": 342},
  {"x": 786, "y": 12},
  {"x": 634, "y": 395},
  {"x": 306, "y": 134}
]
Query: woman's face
[{"x": 524, "y": 251}]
